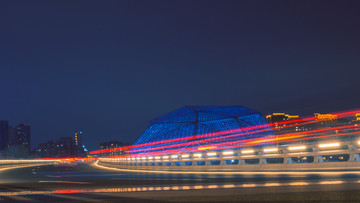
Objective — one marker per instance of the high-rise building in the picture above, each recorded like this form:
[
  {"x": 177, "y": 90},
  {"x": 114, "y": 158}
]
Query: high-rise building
[
  {"x": 23, "y": 135},
  {"x": 13, "y": 138},
  {"x": 18, "y": 141},
  {"x": 78, "y": 138},
  {"x": 112, "y": 145},
  {"x": 79, "y": 145},
  {"x": 65, "y": 147},
  {"x": 4, "y": 134},
  {"x": 47, "y": 150}
]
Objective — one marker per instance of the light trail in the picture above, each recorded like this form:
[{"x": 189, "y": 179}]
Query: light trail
[
  {"x": 296, "y": 173},
  {"x": 269, "y": 139},
  {"x": 187, "y": 150},
  {"x": 23, "y": 166},
  {"x": 199, "y": 139},
  {"x": 278, "y": 138},
  {"x": 203, "y": 187},
  {"x": 182, "y": 139}
]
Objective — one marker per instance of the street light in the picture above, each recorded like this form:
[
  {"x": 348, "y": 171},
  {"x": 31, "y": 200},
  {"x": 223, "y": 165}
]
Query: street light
[
  {"x": 228, "y": 153},
  {"x": 197, "y": 155},
  {"x": 247, "y": 151},
  {"x": 336, "y": 144},
  {"x": 270, "y": 149},
  {"x": 297, "y": 148},
  {"x": 211, "y": 154}
]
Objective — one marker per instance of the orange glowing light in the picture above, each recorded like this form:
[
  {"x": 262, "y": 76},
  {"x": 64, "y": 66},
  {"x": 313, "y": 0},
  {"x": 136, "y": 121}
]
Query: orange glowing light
[{"x": 206, "y": 148}]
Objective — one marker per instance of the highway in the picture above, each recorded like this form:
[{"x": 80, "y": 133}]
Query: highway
[{"x": 91, "y": 183}]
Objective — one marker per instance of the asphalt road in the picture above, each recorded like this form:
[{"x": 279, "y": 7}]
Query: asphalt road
[{"x": 88, "y": 183}]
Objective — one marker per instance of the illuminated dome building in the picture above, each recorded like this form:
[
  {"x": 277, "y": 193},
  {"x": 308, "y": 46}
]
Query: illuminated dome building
[{"x": 202, "y": 128}]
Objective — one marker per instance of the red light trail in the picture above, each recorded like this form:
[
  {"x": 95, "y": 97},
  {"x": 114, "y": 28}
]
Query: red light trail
[{"x": 137, "y": 150}]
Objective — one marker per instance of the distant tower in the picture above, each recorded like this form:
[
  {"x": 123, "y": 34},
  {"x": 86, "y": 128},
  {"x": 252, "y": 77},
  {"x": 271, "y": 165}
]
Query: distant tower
[
  {"x": 78, "y": 138},
  {"x": 79, "y": 142}
]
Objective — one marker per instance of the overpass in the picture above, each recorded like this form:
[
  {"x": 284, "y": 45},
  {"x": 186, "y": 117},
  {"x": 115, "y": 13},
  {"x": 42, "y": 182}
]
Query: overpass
[
  {"x": 322, "y": 155},
  {"x": 236, "y": 138}
]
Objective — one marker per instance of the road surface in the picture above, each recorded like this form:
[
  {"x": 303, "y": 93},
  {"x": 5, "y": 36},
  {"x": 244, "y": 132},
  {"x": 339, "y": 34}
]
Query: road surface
[{"x": 90, "y": 183}]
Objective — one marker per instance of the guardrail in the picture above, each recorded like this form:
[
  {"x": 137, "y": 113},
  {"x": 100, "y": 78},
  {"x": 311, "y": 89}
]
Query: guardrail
[{"x": 323, "y": 154}]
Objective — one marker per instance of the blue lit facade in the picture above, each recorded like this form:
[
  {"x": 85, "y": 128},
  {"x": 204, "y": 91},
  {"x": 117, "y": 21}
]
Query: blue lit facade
[{"x": 214, "y": 127}]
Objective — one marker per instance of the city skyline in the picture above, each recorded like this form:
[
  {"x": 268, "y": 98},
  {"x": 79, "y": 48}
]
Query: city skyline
[{"x": 78, "y": 142}]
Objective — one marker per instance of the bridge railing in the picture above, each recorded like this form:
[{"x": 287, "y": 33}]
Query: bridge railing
[{"x": 335, "y": 152}]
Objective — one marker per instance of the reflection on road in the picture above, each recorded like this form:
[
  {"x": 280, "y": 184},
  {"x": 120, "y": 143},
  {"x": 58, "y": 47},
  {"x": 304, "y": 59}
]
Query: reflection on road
[
  {"x": 327, "y": 173},
  {"x": 174, "y": 188}
]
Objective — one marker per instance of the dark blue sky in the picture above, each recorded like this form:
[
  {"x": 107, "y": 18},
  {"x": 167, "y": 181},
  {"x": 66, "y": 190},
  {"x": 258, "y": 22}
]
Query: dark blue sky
[{"x": 108, "y": 67}]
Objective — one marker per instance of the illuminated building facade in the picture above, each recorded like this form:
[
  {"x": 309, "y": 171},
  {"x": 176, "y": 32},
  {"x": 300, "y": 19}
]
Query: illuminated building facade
[
  {"x": 78, "y": 138},
  {"x": 279, "y": 117},
  {"x": 325, "y": 117},
  {"x": 79, "y": 145},
  {"x": 199, "y": 128},
  {"x": 278, "y": 121}
]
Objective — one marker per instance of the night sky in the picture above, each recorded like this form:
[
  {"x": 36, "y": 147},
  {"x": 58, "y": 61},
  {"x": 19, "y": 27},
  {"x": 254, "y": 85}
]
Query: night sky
[{"x": 108, "y": 67}]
